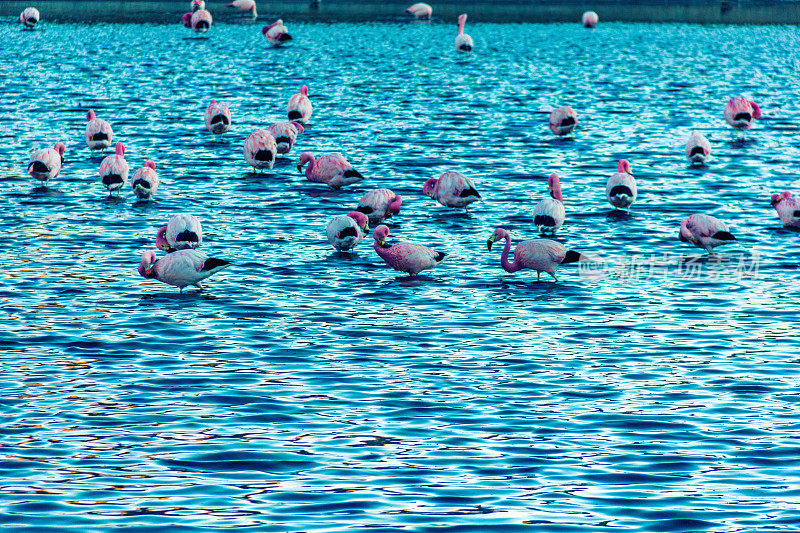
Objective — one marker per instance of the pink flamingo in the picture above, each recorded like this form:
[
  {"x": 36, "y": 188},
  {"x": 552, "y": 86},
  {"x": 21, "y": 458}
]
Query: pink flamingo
[
  {"x": 145, "y": 181},
  {"x": 114, "y": 170},
  {"x": 407, "y": 257},
  {"x": 46, "y": 164},
  {"x": 285, "y": 134},
  {"x": 589, "y": 19},
  {"x": 186, "y": 19},
  {"x": 697, "y": 148},
  {"x": 276, "y": 33},
  {"x": 201, "y": 21},
  {"x": 541, "y": 255},
  {"x": 197, "y": 5},
  {"x": 379, "y": 204},
  {"x": 548, "y": 215},
  {"x": 260, "y": 150},
  {"x": 182, "y": 232},
  {"x": 299, "y": 108},
  {"x": 332, "y": 169},
  {"x": 740, "y": 112},
  {"x": 463, "y": 41},
  {"x": 344, "y": 232},
  {"x": 29, "y": 17},
  {"x": 244, "y": 6},
  {"x": 452, "y": 189},
  {"x": 217, "y": 118},
  {"x": 621, "y": 186},
  {"x": 181, "y": 268},
  {"x": 420, "y": 11},
  {"x": 705, "y": 231},
  {"x": 98, "y": 132},
  {"x": 788, "y": 209},
  {"x": 563, "y": 120}
]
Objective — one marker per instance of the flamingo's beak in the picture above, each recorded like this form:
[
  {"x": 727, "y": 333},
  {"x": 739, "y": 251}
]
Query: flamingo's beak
[
  {"x": 491, "y": 241},
  {"x": 147, "y": 270},
  {"x": 299, "y": 167}
]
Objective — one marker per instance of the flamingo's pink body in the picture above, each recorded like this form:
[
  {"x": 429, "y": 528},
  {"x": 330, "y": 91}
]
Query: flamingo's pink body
[
  {"x": 332, "y": 169},
  {"x": 46, "y": 164},
  {"x": 182, "y": 232},
  {"x": 407, "y": 257},
  {"x": 379, "y": 204},
  {"x": 201, "y": 21},
  {"x": 563, "y": 120},
  {"x": 344, "y": 232},
  {"x": 740, "y": 112},
  {"x": 463, "y": 41},
  {"x": 181, "y": 268},
  {"x": 452, "y": 189},
  {"x": 420, "y": 10},
  {"x": 621, "y": 186},
  {"x": 285, "y": 134},
  {"x": 788, "y": 208},
  {"x": 589, "y": 19},
  {"x": 244, "y": 6},
  {"x": 705, "y": 231},
  {"x": 217, "y": 118},
  {"x": 29, "y": 17},
  {"x": 145, "y": 181},
  {"x": 114, "y": 170},
  {"x": 697, "y": 148},
  {"x": 186, "y": 19},
  {"x": 276, "y": 33},
  {"x": 260, "y": 150},
  {"x": 299, "y": 108},
  {"x": 548, "y": 215},
  {"x": 541, "y": 255},
  {"x": 98, "y": 132}
]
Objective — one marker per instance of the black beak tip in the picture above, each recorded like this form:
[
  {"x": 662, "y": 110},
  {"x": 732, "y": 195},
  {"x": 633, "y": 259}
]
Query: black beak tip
[{"x": 489, "y": 244}]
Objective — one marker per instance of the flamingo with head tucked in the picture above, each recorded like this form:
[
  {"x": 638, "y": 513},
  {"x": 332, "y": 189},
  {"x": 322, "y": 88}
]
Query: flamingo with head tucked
[
  {"x": 705, "y": 231},
  {"x": 788, "y": 209},
  {"x": 29, "y": 17},
  {"x": 145, "y": 181},
  {"x": 420, "y": 11},
  {"x": 379, "y": 204},
  {"x": 276, "y": 33},
  {"x": 562, "y": 120},
  {"x": 621, "y": 186},
  {"x": 299, "y": 107},
  {"x": 697, "y": 148},
  {"x": 114, "y": 170},
  {"x": 452, "y": 189},
  {"x": 548, "y": 215},
  {"x": 407, "y": 257},
  {"x": 344, "y": 232},
  {"x": 463, "y": 41},
  {"x": 589, "y": 19},
  {"x": 285, "y": 134},
  {"x": 217, "y": 118},
  {"x": 244, "y": 7},
  {"x": 186, "y": 20},
  {"x": 45, "y": 165},
  {"x": 260, "y": 150},
  {"x": 541, "y": 255},
  {"x": 332, "y": 169},
  {"x": 182, "y": 232},
  {"x": 181, "y": 268},
  {"x": 98, "y": 133},
  {"x": 740, "y": 112},
  {"x": 201, "y": 21}
]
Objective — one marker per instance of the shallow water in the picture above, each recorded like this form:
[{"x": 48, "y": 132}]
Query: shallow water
[{"x": 304, "y": 390}]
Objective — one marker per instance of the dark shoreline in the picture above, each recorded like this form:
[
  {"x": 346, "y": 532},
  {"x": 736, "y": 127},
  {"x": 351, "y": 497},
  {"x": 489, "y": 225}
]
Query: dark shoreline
[{"x": 165, "y": 12}]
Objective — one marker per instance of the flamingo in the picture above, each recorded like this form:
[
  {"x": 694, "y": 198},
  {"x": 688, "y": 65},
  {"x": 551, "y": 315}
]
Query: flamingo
[
  {"x": 260, "y": 150},
  {"x": 420, "y": 11},
  {"x": 621, "y": 186},
  {"x": 589, "y": 19},
  {"x": 201, "y": 21},
  {"x": 463, "y": 41},
  {"x": 697, "y": 148},
  {"x": 541, "y": 255},
  {"x": 98, "y": 132},
  {"x": 331, "y": 169},
  {"x": 344, "y": 232},
  {"x": 548, "y": 215},
  {"x": 740, "y": 112},
  {"x": 46, "y": 164},
  {"x": 114, "y": 170},
  {"x": 285, "y": 134},
  {"x": 276, "y": 33},
  {"x": 563, "y": 120},
  {"x": 299, "y": 108},
  {"x": 186, "y": 19},
  {"x": 379, "y": 204},
  {"x": 788, "y": 209},
  {"x": 29, "y": 17},
  {"x": 197, "y": 5},
  {"x": 145, "y": 181},
  {"x": 182, "y": 232},
  {"x": 705, "y": 231},
  {"x": 244, "y": 6},
  {"x": 217, "y": 118},
  {"x": 181, "y": 268},
  {"x": 407, "y": 257},
  {"x": 452, "y": 189}
]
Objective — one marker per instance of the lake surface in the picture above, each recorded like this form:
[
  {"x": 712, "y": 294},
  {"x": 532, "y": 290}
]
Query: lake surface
[{"x": 308, "y": 391}]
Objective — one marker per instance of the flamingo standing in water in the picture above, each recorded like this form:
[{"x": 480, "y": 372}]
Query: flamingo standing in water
[
  {"x": 621, "y": 186},
  {"x": 299, "y": 108},
  {"x": 181, "y": 268},
  {"x": 276, "y": 33},
  {"x": 463, "y": 41},
  {"x": 332, "y": 169},
  {"x": 145, "y": 181},
  {"x": 98, "y": 132},
  {"x": 420, "y": 11},
  {"x": 452, "y": 189},
  {"x": 114, "y": 170},
  {"x": 407, "y": 257},
  {"x": 285, "y": 134},
  {"x": 563, "y": 120},
  {"x": 697, "y": 148},
  {"x": 379, "y": 204},
  {"x": 548, "y": 215},
  {"x": 244, "y": 6},
  {"x": 186, "y": 19},
  {"x": 260, "y": 149},
  {"x": 705, "y": 231},
  {"x": 344, "y": 232},
  {"x": 740, "y": 112},
  {"x": 788, "y": 209},
  {"x": 182, "y": 232},
  {"x": 217, "y": 118},
  {"x": 589, "y": 19},
  {"x": 45, "y": 165},
  {"x": 201, "y": 21},
  {"x": 541, "y": 255},
  {"x": 29, "y": 17}
]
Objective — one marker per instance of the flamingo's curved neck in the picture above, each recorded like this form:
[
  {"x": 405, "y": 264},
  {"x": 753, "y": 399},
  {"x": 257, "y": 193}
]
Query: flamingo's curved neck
[
  {"x": 509, "y": 267},
  {"x": 310, "y": 167}
]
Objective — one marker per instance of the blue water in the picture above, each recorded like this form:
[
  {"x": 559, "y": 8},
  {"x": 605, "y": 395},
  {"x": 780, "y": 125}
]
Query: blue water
[{"x": 305, "y": 391}]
